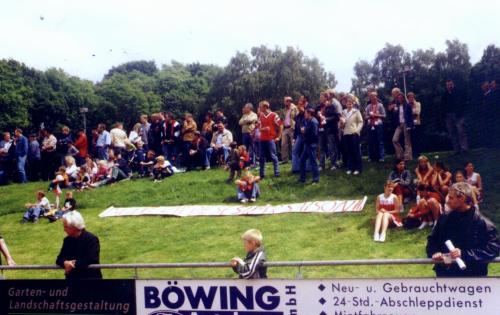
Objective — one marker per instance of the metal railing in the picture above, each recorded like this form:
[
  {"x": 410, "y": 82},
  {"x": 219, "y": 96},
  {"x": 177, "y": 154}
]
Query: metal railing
[{"x": 271, "y": 264}]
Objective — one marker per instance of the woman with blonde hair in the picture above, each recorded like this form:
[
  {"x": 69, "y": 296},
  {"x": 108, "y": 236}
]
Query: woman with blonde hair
[
  {"x": 134, "y": 135},
  {"x": 71, "y": 168},
  {"x": 424, "y": 171},
  {"x": 351, "y": 122}
]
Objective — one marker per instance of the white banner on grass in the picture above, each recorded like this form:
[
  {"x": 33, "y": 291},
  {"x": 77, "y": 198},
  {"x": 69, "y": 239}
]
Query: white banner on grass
[
  {"x": 319, "y": 297},
  {"x": 219, "y": 210}
]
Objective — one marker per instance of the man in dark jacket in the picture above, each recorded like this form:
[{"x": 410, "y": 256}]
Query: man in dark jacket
[
  {"x": 80, "y": 249},
  {"x": 453, "y": 110},
  {"x": 197, "y": 152},
  {"x": 474, "y": 237},
  {"x": 311, "y": 137}
]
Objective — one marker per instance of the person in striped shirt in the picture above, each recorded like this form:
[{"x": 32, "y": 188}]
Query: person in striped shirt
[{"x": 252, "y": 267}]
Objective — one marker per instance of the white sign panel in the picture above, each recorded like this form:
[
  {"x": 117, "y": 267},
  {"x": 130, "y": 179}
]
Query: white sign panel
[
  {"x": 319, "y": 297},
  {"x": 219, "y": 210}
]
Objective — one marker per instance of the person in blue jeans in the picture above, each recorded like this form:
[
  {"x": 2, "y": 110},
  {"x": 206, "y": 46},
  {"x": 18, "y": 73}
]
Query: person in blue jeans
[
  {"x": 21, "y": 154},
  {"x": 375, "y": 115},
  {"x": 35, "y": 210},
  {"x": 270, "y": 133},
  {"x": 310, "y": 132}
]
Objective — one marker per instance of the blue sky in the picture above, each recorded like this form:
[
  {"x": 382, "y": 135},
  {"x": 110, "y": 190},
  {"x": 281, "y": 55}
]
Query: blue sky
[{"x": 66, "y": 34}]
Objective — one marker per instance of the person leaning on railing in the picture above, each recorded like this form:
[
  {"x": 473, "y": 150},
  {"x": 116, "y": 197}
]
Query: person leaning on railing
[
  {"x": 475, "y": 238},
  {"x": 79, "y": 250}
]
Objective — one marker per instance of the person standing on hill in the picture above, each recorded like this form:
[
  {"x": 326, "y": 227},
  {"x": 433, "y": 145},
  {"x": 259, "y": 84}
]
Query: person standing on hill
[
  {"x": 270, "y": 133},
  {"x": 248, "y": 122},
  {"x": 452, "y": 107},
  {"x": 310, "y": 132},
  {"x": 288, "y": 115}
]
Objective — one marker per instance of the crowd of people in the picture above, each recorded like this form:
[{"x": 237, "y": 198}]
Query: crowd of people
[
  {"x": 312, "y": 138},
  {"x": 427, "y": 190}
]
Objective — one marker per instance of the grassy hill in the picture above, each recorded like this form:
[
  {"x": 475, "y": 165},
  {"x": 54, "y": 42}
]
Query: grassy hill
[{"x": 206, "y": 239}]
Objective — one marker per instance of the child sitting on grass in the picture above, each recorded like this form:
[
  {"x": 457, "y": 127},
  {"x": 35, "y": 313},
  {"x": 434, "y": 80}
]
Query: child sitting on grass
[
  {"x": 69, "y": 205},
  {"x": 253, "y": 265},
  {"x": 428, "y": 207},
  {"x": 82, "y": 180},
  {"x": 248, "y": 187},
  {"x": 146, "y": 166},
  {"x": 35, "y": 210},
  {"x": 387, "y": 208},
  {"x": 233, "y": 162},
  {"x": 162, "y": 169}
]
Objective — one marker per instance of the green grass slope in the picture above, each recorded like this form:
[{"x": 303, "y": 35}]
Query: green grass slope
[{"x": 206, "y": 239}]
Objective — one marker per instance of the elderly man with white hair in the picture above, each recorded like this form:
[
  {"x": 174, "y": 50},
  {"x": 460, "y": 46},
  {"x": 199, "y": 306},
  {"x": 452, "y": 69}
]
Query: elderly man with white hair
[
  {"x": 474, "y": 237},
  {"x": 79, "y": 250}
]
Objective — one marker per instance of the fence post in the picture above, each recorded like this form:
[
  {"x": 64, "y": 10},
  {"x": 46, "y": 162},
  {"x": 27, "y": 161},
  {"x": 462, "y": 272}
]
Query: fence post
[{"x": 299, "y": 272}]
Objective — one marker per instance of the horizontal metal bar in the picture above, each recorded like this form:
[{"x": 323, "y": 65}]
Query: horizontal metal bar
[{"x": 307, "y": 263}]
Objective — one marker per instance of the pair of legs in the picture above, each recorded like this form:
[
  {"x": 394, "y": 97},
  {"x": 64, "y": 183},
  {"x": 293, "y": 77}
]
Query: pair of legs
[
  {"x": 309, "y": 155},
  {"x": 323, "y": 148},
  {"x": 456, "y": 131},
  {"x": 405, "y": 154},
  {"x": 249, "y": 194},
  {"x": 249, "y": 144},
  {"x": 376, "y": 150},
  {"x": 352, "y": 152},
  {"x": 333, "y": 146},
  {"x": 33, "y": 213},
  {"x": 268, "y": 148},
  {"x": 381, "y": 224},
  {"x": 286, "y": 144},
  {"x": 219, "y": 151},
  {"x": 21, "y": 164}
]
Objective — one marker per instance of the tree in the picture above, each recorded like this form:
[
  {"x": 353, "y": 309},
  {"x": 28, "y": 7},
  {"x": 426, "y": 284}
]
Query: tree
[{"x": 146, "y": 67}]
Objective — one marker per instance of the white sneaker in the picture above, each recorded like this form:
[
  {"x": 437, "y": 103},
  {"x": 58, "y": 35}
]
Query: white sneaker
[
  {"x": 333, "y": 168},
  {"x": 376, "y": 237},
  {"x": 320, "y": 168},
  {"x": 356, "y": 173},
  {"x": 382, "y": 238},
  {"x": 244, "y": 200},
  {"x": 422, "y": 226},
  {"x": 348, "y": 172},
  {"x": 252, "y": 200}
]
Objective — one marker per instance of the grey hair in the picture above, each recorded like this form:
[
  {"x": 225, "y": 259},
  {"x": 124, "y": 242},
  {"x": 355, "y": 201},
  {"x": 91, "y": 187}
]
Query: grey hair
[
  {"x": 463, "y": 189},
  {"x": 74, "y": 219},
  {"x": 249, "y": 105}
]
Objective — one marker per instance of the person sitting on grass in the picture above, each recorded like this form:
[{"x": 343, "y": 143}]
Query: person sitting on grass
[
  {"x": 83, "y": 179},
  {"x": 233, "y": 162},
  {"x": 428, "y": 208},
  {"x": 162, "y": 169},
  {"x": 474, "y": 179},
  {"x": 71, "y": 168},
  {"x": 69, "y": 205},
  {"x": 401, "y": 178},
  {"x": 441, "y": 179},
  {"x": 35, "y": 210},
  {"x": 424, "y": 171},
  {"x": 91, "y": 167},
  {"x": 248, "y": 187},
  {"x": 252, "y": 267},
  {"x": 387, "y": 208},
  {"x": 61, "y": 180},
  {"x": 460, "y": 178},
  {"x": 146, "y": 166},
  {"x": 138, "y": 157}
]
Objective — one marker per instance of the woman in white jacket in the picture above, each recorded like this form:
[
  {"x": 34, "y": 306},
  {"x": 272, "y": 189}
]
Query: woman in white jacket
[{"x": 352, "y": 123}]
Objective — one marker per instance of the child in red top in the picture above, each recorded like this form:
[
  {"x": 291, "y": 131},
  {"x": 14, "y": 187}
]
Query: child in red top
[
  {"x": 248, "y": 187},
  {"x": 244, "y": 157}
]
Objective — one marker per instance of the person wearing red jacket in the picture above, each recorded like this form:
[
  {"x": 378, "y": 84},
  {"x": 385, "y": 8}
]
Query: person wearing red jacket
[
  {"x": 270, "y": 133},
  {"x": 82, "y": 145}
]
